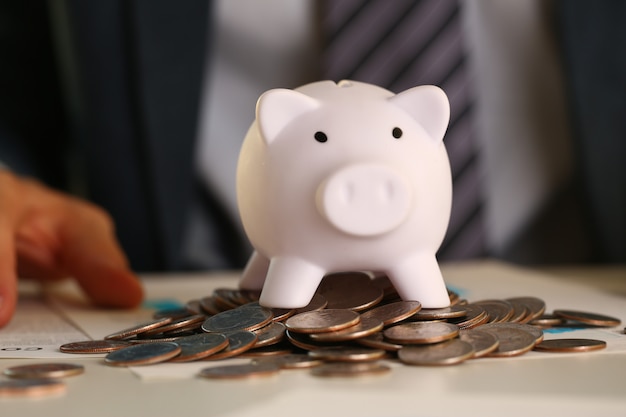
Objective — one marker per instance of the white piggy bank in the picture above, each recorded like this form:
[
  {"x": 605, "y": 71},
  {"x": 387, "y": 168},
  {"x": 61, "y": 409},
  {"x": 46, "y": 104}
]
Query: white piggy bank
[{"x": 345, "y": 177}]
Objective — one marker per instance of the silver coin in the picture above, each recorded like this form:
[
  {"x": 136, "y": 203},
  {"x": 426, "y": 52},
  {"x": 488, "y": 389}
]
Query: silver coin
[
  {"x": 570, "y": 345},
  {"x": 393, "y": 312},
  {"x": 450, "y": 352},
  {"x": 364, "y": 328},
  {"x": 482, "y": 342},
  {"x": 238, "y": 342},
  {"x": 199, "y": 346},
  {"x": 44, "y": 370},
  {"x": 93, "y": 346},
  {"x": 239, "y": 371},
  {"x": 143, "y": 354},
  {"x": 350, "y": 369},
  {"x": 31, "y": 387},
  {"x": 347, "y": 354},
  {"x": 241, "y": 318},
  {"x": 421, "y": 332},
  {"x": 513, "y": 341},
  {"x": 322, "y": 321}
]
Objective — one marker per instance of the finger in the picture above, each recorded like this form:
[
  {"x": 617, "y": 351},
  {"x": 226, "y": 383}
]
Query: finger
[
  {"x": 8, "y": 277},
  {"x": 90, "y": 253}
]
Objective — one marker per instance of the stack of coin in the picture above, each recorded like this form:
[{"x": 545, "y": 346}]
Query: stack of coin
[{"x": 352, "y": 323}]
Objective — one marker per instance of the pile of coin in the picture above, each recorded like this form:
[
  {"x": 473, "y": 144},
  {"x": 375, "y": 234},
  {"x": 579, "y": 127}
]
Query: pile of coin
[{"x": 353, "y": 322}]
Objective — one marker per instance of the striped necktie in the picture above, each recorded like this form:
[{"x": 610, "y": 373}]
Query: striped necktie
[{"x": 401, "y": 44}]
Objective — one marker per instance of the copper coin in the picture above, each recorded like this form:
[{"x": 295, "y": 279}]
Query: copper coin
[
  {"x": 279, "y": 314},
  {"x": 393, "y": 312},
  {"x": 535, "y": 331},
  {"x": 520, "y": 311},
  {"x": 208, "y": 305},
  {"x": 31, "y": 387},
  {"x": 364, "y": 328},
  {"x": 138, "y": 329},
  {"x": 279, "y": 349},
  {"x": 450, "y": 352},
  {"x": 318, "y": 302},
  {"x": 350, "y": 369},
  {"x": 570, "y": 345},
  {"x": 377, "y": 341},
  {"x": 199, "y": 346},
  {"x": 498, "y": 310},
  {"x": 591, "y": 319},
  {"x": 291, "y": 361},
  {"x": 238, "y": 342},
  {"x": 475, "y": 316},
  {"x": 440, "y": 313},
  {"x": 347, "y": 354},
  {"x": 93, "y": 346},
  {"x": 44, "y": 370},
  {"x": 421, "y": 332},
  {"x": 174, "y": 313},
  {"x": 482, "y": 342},
  {"x": 547, "y": 320},
  {"x": 143, "y": 354},
  {"x": 513, "y": 341},
  {"x": 304, "y": 341},
  {"x": 241, "y": 318},
  {"x": 349, "y": 290},
  {"x": 270, "y": 334},
  {"x": 536, "y": 306},
  {"x": 181, "y": 324},
  {"x": 239, "y": 371},
  {"x": 327, "y": 320}
]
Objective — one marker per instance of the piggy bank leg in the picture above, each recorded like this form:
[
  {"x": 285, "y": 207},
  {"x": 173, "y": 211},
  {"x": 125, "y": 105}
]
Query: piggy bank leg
[
  {"x": 254, "y": 273},
  {"x": 290, "y": 283},
  {"x": 419, "y": 278}
]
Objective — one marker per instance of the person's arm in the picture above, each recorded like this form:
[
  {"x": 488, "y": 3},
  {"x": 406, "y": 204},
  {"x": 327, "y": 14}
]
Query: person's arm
[{"x": 47, "y": 235}]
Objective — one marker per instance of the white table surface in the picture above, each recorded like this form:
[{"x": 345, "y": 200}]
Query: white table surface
[{"x": 536, "y": 384}]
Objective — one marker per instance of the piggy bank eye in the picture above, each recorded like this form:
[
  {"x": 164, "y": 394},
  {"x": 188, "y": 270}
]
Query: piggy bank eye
[
  {"x": 396, "y": 132},
  {"x": 321, "y": 137}
]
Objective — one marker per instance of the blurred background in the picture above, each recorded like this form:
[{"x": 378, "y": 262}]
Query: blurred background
[{"x": 537, "y": 88}]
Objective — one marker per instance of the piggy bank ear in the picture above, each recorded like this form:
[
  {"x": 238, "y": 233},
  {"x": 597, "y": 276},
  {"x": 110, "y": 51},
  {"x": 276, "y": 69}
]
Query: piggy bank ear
[
  {"x": 428, "y": 105},
  {"x": 277, "y": 108}
]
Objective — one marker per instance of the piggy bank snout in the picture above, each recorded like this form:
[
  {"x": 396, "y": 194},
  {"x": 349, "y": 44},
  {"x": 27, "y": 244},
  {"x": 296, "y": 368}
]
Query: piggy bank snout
[{"x": 365, "y": 199}]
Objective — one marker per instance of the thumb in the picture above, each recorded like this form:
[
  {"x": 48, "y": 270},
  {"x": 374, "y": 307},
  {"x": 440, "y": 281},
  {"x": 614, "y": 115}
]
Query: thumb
[{"x": 91, "y": 254}]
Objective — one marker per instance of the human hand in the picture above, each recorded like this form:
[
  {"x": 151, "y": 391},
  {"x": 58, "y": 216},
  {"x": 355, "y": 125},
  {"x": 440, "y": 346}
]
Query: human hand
[{"x": 47, "y": 236}]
